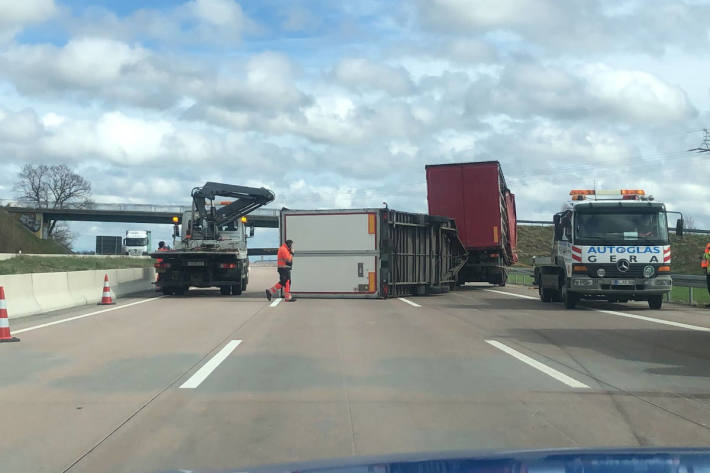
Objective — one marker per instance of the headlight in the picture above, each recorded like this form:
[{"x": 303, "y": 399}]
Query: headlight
[
  {"x": 648, "y": 271},
  {"x": 582, "y": 282},
  {"x": 601, "y": 272}
]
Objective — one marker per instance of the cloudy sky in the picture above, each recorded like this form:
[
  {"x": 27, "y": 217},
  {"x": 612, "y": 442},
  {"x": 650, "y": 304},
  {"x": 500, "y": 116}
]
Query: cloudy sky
[{"x": 341, "y": 104}]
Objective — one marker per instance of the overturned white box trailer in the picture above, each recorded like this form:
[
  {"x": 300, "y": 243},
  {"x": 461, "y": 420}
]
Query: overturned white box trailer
[{"x": 371, "y": 253}]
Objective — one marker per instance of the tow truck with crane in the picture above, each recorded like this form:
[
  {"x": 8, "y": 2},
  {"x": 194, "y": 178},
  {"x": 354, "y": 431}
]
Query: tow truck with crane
[
  {"x": 610, "y": 245},
  {"x": 212, "y": 251}
]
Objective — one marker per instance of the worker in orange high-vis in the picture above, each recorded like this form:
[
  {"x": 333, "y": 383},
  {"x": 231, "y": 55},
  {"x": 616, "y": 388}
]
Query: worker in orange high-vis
[
  {"x": 284, "y": 261},
  {"x": 161, "y": 247},
  {"x": 704, "y": 263}
]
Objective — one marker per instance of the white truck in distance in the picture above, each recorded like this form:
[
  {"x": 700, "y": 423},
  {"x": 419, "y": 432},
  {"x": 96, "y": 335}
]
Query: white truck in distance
[
  {"x": 136, "y": 243},
  {"x": 609, "y": 245}
]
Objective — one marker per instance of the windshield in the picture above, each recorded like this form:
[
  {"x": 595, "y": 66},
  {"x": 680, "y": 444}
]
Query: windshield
[
  {"x": 136, "y": 241},
  {"x": 621, "y": 227}
]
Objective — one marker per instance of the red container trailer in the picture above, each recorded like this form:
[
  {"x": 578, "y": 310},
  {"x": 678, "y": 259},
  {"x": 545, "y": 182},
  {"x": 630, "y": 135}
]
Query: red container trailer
[{"x": 476, "y": 196}]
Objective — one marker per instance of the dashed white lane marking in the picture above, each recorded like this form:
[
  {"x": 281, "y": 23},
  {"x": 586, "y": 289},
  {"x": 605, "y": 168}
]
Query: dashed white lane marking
[
  {"x": 276, "y": 302},
  {"x": 90, "y": 314},
  {"x": 202, "y": 374},
  {"x": 511, "y": 294},
  {"x": 414, "y": 304},
  {"x": 622, "y": 314},
  {"x": 559, "y": 376}
]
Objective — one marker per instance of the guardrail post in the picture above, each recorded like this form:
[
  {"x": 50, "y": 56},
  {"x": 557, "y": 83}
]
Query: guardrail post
[
  {"x": 668, "y": 296},
  {"x": 690, "y": 295}
]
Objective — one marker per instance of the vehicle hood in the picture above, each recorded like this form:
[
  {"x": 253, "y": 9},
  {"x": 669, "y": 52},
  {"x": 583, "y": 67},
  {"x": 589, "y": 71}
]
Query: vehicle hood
[{"x": 626, "y": 460}]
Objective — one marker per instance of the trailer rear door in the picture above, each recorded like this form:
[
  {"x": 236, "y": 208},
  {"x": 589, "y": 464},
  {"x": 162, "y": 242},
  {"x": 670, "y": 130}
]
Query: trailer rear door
[{"x": 335, "y": 252}]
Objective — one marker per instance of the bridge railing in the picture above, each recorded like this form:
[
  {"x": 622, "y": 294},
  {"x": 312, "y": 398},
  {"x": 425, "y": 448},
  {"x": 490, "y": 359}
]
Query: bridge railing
[{"x": 175, "y": 208}]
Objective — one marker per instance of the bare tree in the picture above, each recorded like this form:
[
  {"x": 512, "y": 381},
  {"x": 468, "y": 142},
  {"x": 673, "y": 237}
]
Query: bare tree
[
  {"x": 53, "y": 187},
  {"x": 32, "y": 184},
  {"x": 688, "y": 221}
]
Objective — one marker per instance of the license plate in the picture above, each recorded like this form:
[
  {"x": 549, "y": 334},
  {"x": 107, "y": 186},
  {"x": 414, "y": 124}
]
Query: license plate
[
  {"x": 195, "y": 263},
  {"x": 623, "y": 282}
]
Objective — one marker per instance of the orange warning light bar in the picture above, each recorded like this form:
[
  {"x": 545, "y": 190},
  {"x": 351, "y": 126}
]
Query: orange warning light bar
[
  {"x": 581, "y": 192},
  {"x": 633, "y": 192}
]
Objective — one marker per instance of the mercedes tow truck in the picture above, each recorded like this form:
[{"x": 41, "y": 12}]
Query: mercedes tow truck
[{"x": 610, "y": 245}]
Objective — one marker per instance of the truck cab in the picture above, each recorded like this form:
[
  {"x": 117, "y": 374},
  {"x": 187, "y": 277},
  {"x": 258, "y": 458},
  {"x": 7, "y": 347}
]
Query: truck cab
[
  {"x": 608, "y": 245},
  {"x": 136, "y": 243}
]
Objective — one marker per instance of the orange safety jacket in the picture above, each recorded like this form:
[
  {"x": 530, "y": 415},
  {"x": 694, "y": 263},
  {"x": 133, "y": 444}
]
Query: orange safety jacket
[
  {"x": 284, "y": 257},
  {"x": 704, "y": 262}
]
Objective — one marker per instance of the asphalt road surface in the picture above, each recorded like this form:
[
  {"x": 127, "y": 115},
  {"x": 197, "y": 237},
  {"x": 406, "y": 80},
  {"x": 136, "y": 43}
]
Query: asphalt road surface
[{"x": 224, "y": 382}]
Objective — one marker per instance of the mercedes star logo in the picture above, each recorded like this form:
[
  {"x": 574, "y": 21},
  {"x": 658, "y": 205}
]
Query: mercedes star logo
[{"x": 623, "y": 265}]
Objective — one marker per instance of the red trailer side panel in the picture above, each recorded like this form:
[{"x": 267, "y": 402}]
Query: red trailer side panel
[
  {"x": 470, "y": 193},
  {"x": 512, "y": 226}
]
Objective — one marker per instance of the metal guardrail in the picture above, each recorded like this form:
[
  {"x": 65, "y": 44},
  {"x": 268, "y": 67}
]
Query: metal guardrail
[
  {"x": 671, "y": 229},
  {"x": 691, "y": 281}
]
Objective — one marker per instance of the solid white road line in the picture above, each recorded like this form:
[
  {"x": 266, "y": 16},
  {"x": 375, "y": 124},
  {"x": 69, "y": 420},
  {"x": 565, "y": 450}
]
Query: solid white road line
[
  {"x": 414, "y": 304},
  {"x": 512, "y": 294},
  {"x": 623, "y": 314},
  {"x": 654, "y": 320},
  {"x": 276, "y": 302},
  {"x": 202, "y": 374},
  {"x": 90, "y": 314},
  {"x": 559, "y": 376}
]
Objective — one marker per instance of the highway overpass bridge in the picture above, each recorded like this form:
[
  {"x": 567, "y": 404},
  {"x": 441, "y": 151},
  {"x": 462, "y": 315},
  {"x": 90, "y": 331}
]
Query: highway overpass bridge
[{"x": 34, "y": 217}]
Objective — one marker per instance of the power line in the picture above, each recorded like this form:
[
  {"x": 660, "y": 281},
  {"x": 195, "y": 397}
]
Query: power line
[{"x": 705, "y": 146}]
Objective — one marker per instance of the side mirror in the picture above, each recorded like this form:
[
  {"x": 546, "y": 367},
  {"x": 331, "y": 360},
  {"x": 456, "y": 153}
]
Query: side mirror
[
  {"x": 679, "y": 227},
  {"x": 251, "y": 231}
]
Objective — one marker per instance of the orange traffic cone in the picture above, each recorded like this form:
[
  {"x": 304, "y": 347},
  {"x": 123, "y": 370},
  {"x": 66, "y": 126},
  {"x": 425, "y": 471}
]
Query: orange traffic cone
[
  {"x": 106, "y": 296},
  {"x": 4, "y": 322}
]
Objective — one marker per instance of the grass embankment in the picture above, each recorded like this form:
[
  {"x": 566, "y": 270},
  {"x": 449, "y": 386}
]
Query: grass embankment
[
  {"x": 537, "y": 241},
  {"x": 15, "y": 238},
  {"x": 39, "y": 264}
]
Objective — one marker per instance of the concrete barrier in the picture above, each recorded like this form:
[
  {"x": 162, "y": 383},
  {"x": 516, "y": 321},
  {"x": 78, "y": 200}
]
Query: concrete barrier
[{"x": 28, "y": 294}]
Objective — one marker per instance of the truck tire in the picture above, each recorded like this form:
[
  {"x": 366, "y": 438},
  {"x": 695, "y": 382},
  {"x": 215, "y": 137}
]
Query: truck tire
[
  {"x": 245, "y": 281},
  {"x": 502, "y": 279},
  {"x": 655, "y": 302},
  {"x": 225, "y": 290},
  {"x": 180, "y": 291},
  {"x": 167, "y": 291},
  {"x": 545, "y": 294},
  {"x": 237, "y": 290},
  {"x": 569, "y": 298}
]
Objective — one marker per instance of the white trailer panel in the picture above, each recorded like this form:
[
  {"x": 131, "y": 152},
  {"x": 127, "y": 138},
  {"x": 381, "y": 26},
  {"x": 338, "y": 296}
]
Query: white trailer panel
[
  {"x": 336, "y": 231},
  {"x": 335, "y": 252},
  {"x": 334, "y": 274}
]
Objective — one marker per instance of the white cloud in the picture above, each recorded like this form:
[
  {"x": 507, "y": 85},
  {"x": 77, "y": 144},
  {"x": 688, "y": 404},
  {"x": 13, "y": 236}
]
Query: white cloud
[
  {"x": 363, "y": 74},
  {"x": 637, "y": 95},
  {"x": 18, "y": 14},
  {"x": 299, "y": 18},
  {"x": 219, "y": 12},
  {"x": 19, "y": 127},
  {"x": 94, "y": 61}
]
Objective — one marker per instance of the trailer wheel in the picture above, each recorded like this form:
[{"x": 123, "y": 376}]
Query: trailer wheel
[
  {"x": 245, "y": 281},
  {"x": 237, "y": 290},
  {"x": 225, "y": 290},
  {"x": 167, "y": 291},
  {"x": 655, "y": 302},
  {"x": 545, "y": 294},
  {"x": 180, "y": 291}
]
